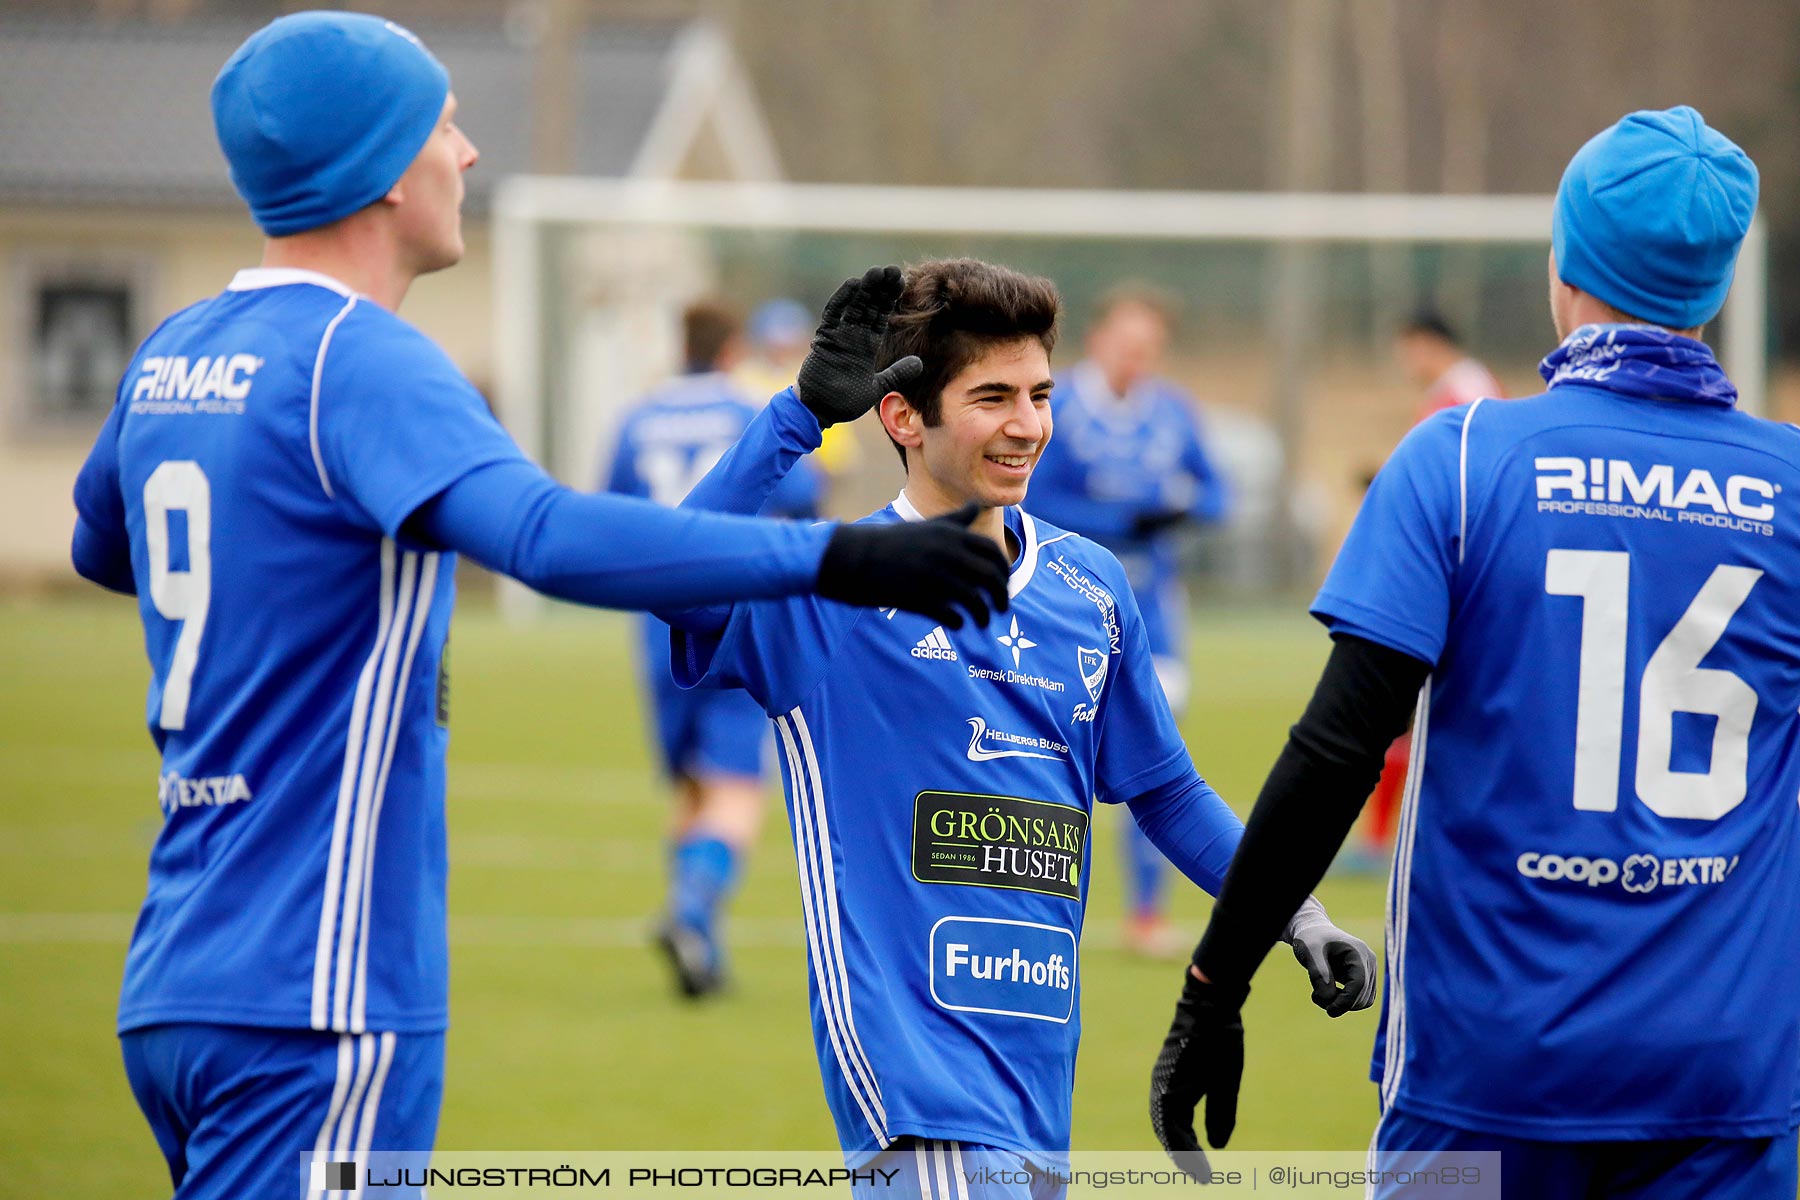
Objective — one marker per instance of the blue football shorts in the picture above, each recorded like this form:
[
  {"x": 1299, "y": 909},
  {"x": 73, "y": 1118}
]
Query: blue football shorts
[
  {"x": 234, "y": 1108},
  {"x": 1668, "y": 1169},
  {"x": 704, "y": 731},
  {"x": 922, "y": 1169}
]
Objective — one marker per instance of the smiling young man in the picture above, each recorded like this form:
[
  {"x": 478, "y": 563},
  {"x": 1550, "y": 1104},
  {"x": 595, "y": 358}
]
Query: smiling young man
[{"x": 941, "y": 783}]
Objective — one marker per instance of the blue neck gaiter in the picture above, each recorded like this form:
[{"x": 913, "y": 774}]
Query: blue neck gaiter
[{"x": 1641, "y": 361}]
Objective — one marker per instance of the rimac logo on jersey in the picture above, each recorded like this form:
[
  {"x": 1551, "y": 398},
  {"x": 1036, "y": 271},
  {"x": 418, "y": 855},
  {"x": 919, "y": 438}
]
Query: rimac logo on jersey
[
  {"x": 999, "y": 841},
  {"x": 935, "y": 644},
  {"x": 1612, "y": 487},
  {"x": 1639, "y": 873},
  {"x": 215, "y": 383},
  {"x": 986, "y": 744},
  {"x": 1005, "y": 968}
]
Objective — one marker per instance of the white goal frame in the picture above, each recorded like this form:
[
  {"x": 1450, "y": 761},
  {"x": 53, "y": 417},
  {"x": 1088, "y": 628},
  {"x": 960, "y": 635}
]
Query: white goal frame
[{"x": 525, "y": 205}]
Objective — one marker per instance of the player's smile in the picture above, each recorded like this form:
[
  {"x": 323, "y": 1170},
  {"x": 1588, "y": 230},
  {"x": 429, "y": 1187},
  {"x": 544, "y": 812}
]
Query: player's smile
[{"x": 1015, "y": 465}]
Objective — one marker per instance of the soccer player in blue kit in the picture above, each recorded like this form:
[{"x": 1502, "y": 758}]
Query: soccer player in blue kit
[
  {"x": 713, "y": 744},
  {"x": 284, "y": 483},
  {"x": 941, "y": 783},
  {"x": 1593, "y": 597},
  {"x": 1129, "y": 467}
]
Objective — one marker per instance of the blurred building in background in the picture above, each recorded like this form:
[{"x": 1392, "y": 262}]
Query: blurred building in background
[{"x": 114, "y": 208}]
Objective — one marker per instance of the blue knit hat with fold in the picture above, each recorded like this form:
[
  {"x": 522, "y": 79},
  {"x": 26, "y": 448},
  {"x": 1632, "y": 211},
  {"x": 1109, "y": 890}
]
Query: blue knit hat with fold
[
  {"x": 1650, "y": 215},
  {"x": 320, "y": 113}
]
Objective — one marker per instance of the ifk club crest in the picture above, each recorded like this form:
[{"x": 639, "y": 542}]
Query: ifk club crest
[{"x": 1093, "y": 670}]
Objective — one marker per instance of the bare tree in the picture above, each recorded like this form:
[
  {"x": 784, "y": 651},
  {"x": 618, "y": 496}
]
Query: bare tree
[
  {"x": 1381, "y": 87},
  {"x": 1302, "y": 165},
  {"x": 1465, "y": 133}
]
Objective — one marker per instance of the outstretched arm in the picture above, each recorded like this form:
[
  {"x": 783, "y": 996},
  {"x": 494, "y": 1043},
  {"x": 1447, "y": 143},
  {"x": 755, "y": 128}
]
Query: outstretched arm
[
  {"x": 621, "y": 552},
  {"x": 1192, "y": 826},
  {"x": 744, "y": 478},
  {"x": 615, "y": 551},
  {"x": 1388, "y": 601},
  {"x": 1332, "y": 759}
]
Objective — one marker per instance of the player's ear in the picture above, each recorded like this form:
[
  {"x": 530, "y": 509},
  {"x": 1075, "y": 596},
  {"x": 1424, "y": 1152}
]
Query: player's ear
[
  {"x": 902, "y": 421},
  {"x": 396, "y": 195}
]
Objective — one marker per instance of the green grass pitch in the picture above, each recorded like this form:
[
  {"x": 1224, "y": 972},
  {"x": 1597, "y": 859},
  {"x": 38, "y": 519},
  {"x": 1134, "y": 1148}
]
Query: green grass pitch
[{"x": 565, "y": 1034}]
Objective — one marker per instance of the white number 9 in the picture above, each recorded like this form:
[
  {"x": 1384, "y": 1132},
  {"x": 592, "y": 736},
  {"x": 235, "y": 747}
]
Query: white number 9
[{"x": 186, "y": 595}]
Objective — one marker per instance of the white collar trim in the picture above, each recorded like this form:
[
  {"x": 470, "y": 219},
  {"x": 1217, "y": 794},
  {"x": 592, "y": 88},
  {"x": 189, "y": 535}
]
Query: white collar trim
[
  {"x": 1023, "y": 568},
  {"x": 1026, "y": 567},
  {"x": 252, "y": 279}
]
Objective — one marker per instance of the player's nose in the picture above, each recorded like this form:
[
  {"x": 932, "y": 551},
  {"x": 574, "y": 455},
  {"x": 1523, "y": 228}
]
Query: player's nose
[{"x": 1024, "y": 421}]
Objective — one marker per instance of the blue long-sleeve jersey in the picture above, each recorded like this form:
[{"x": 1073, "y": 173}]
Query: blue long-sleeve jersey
[
  {"x": 940, "y": 787},
  {"x": 256, "y": 486},
  {"x": 1597, "y": 872}
]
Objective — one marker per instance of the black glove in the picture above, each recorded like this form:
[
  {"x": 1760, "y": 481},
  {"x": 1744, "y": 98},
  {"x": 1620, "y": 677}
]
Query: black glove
[
  {"x": 1332, "y": 957},
  {"x": 838, "y": 380},
  {"x": 1154, "y": 521},
  {"x": 1203, "y": 1056},
  {"x": 931, "y": 567}
]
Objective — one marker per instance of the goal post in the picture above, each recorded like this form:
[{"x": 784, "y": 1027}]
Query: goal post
[{"x": 590, "y": 274}]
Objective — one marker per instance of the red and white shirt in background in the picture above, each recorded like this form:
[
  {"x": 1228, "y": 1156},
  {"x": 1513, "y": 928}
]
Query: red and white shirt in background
[{"x": 1467, "y": 380}]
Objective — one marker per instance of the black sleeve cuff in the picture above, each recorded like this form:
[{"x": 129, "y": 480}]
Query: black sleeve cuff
[{"x": 1331, "y": 762}]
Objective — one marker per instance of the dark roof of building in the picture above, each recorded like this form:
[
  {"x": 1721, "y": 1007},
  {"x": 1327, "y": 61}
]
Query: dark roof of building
[{"x": 93, "y": 114}]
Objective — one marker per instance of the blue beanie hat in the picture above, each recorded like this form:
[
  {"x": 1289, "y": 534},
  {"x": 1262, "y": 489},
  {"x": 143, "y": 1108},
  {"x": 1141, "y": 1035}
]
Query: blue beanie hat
[
  {"x": 1650, "y": 215},
  {"x": 320, "y": 113}
]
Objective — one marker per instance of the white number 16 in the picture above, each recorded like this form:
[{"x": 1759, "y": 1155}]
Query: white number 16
[
  {"x": 1673, "y": 682},
  {"x": 180, "y": 595}
]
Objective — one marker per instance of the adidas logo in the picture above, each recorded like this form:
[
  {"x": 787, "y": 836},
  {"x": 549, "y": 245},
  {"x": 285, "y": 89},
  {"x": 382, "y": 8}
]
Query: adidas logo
[{"x": 935, "y": 644}]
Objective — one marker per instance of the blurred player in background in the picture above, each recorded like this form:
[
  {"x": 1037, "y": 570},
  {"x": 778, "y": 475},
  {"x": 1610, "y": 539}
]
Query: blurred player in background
[
  {"x": 1129, "y": 468},
  {"x": 941, "y": 783},
  {"x": 712, "y": 745},
  {"x": 284, "y": 482},
  {"x": 780, "y": 331},
  {"x": 1433, "y": 358},
  {"x": 1592, "y": 597}
]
